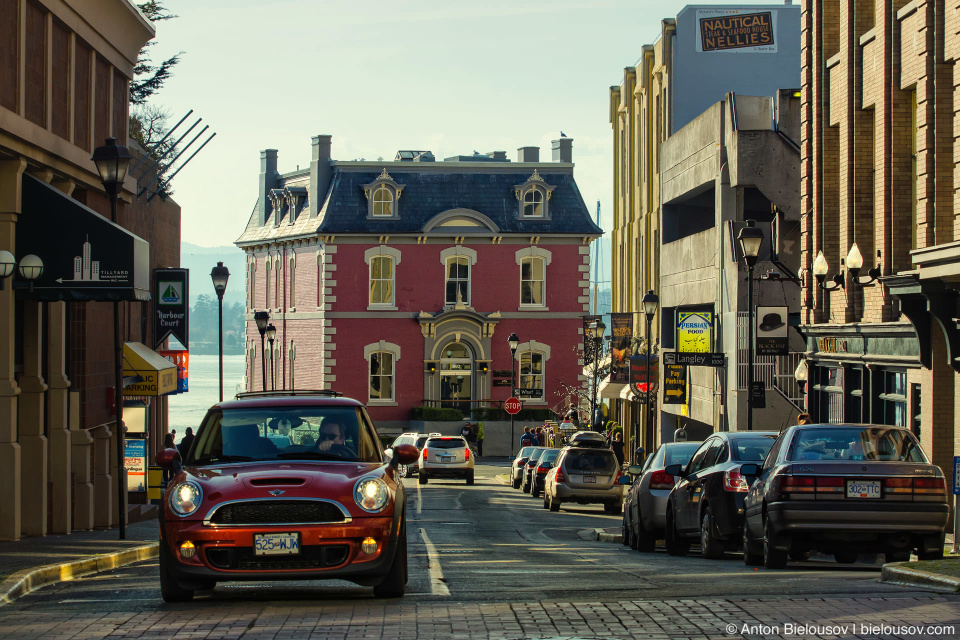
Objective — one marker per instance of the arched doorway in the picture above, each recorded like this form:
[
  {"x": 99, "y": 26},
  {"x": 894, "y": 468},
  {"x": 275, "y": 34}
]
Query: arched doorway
[{"x": 456, "y": 376}]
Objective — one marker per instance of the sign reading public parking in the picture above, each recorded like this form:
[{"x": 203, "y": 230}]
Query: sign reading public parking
[
  {"x": 674, "y": 384},
  {"x": 513, "y": 406}
]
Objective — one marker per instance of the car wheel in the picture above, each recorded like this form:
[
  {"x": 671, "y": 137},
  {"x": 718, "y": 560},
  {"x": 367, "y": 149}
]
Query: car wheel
[
  {"x": 546, "y": 502},
  {"x": 846, "y": 557},
  {"x": 554, "y": 504},
  {"x": 709, "y": 545},
  {"x": 901, "y": 555},
  {"x": 675, "y": 546},
  {"x": 470, "y": 477},
  {"x": 535, "y": 492},
  {"x": 422, "y": 477},
  {"x": 752, "y": 555},
  {"x": 395, "y": 582},
  {"x": 773, "y": 558},
  {"x": 516, "y": 483},
  {"x": 626, "y": 538},
  {"x": 170, "y": 590},
  {"x": 644, "y": 540}
]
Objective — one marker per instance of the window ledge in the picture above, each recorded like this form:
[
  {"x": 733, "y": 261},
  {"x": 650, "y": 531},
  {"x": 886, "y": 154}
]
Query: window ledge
[
  {"x": 382, "y": 403},
  {"x": 533, "y": 307},
  {"x": 381, "y": 307},
  {"x": 292, "y": 309}
]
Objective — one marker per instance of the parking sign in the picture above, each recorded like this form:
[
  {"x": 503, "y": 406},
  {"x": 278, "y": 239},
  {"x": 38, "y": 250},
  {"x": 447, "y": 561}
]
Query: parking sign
[{"x": 956, "y": 475}]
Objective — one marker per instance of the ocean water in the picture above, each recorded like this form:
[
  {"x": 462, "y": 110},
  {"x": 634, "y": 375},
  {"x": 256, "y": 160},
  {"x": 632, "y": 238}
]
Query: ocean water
[{"x": 188, "y": 409}]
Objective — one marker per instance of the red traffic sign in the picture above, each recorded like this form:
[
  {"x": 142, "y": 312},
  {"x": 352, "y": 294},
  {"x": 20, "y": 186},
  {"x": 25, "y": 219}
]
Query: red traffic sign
[{"x": 513, "y": 406}]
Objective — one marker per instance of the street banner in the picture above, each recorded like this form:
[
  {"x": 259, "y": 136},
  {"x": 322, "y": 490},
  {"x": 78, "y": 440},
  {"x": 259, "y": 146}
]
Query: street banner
[
  {"x": 644, "y": 390},
  {"x": 694, "y": 331},
  {"x": 771, "y": 331},
  {"x": 181, "y": 358},
  {"x": 621, "y": 332},
  {"x": 674, "y": 384},
  {"x": 172, "y": 297},
  {"x": 135, "y": 461}
]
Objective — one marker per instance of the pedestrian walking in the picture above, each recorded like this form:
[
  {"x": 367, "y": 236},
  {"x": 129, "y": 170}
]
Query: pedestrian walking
[
  {"x": 480, "y": 439},
  {"x": 527, "y": 439},
  {"x": 186, "y": 443},
  {"x": 467, "y": 432},
  {"x": 617, "y": 446}
]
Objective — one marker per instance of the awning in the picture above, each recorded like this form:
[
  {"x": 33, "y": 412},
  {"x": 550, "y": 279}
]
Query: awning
[
  {"x": 609, "y": 389},
  {"x": 85, "y": 256},
  {"x": 159, "y": 374}
]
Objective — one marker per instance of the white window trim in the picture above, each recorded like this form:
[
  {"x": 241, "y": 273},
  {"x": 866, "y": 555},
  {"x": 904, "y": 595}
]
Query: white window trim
[
  {"x": 534, "y": 189},
  {"x": 543, "y": 349},
  {"x": 394, "y": 188},
  {"x": 368, "y": 255},
  {"x": 547, "y": 257},
  {"x": 292, "y": 267},
  {"x": 393, "y": 349},
  {"x": 457, "y": 252}
]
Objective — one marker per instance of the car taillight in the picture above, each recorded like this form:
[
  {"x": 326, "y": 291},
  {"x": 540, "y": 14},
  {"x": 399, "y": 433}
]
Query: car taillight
[
  {"x": 661, "y": 480},
  {"x": 560, "y": 477},
  {"x": 798, "y": 484},
  {"x": 466, "y": 453},
  {"x": 829, "y": 485},
  {"x": 519, "y": 463},
  {"x": 619, "y": 475},
  {"x": 542, "y": 469},
  {"x": 734, "y": 481},
  {"x": 929, "y": 486},
  {"x": 425, "y": 453}
]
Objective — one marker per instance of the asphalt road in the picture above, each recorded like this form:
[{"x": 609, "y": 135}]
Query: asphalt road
[{"x": 491, "y": 555}]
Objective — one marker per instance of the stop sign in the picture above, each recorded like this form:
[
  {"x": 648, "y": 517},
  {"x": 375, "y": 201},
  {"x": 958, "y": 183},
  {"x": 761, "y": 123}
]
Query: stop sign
[{"x": 513, "y": 406}]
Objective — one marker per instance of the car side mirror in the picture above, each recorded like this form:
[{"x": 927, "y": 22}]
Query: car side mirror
[
  {"x": 634, "y": 469},
  {"x": 750, "y": 469},
  {"x": 404, "y": 454},
  {"x": 674, "y": 470},
  {"x": 624, "y": 480},
  {"x": 168, "y": 459}
]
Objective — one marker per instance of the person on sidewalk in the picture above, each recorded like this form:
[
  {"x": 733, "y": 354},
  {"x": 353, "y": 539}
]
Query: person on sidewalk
[
  {"x": 617, "y": 446},
  {"x": 527, "y": 439},
  {"x": 169, "y": 444},
  {"x": 480, "y": 439},
  {"x": 186, "y": 443}
]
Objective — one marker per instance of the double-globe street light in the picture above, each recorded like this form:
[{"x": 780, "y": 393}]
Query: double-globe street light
[
  {"x": 112, "y": 161},
  {"x": 750, "y": 240},
  {"x": 595, "y": 333},
  {"x": 650, "y": 303},
  {"x": 220, "y": 274},
  {"x": 513, "y": 342},
  {"x": 261, "y": 318}
]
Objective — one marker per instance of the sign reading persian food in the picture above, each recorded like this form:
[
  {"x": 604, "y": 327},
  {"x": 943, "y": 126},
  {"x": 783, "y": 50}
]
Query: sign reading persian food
[
  {"x": 621, "y": 331},
  {"x": 694, "y": 331},
  {"x": 728, "y": 30}
]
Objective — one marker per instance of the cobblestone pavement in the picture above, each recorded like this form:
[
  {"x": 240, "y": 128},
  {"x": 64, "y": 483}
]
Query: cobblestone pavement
[{"x": 918, "y": 615}]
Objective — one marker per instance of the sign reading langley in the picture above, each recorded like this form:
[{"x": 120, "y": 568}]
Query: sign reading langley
[
  {"x": 727, "y": 30},
  {"x": 173, "y": 312}
]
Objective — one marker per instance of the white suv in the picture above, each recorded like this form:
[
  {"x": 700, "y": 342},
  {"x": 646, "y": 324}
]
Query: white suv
[
  {"x": 446, "y": 457},
  {"x": 417, "y": 440}
]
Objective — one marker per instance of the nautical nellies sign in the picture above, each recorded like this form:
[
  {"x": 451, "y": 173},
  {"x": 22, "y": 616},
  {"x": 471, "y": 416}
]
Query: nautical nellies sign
[
  {"x": 172, "y": 305},
  {"x": 727, "y": 30}
]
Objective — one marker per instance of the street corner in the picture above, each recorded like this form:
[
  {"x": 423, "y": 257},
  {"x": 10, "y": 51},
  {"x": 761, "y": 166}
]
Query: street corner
[{"x": 925, "y": 574}]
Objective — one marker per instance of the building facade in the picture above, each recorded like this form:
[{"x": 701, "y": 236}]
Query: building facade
[
  {"x": 398, "y": 283},
  {"x": 879, "y": 174}
]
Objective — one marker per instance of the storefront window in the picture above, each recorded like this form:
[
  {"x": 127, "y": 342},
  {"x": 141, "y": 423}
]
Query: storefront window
[
  {"x": 893, "y": 398},
  {"x": 829, "y": 391}
]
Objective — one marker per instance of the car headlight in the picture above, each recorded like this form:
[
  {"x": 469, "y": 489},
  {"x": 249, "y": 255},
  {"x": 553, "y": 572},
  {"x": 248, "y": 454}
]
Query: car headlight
[
  {"x": 185, "y": 498},
  {"x": 371, "y": 494}
]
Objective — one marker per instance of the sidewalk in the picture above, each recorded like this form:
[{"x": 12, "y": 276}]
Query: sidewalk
[{"x": 33, "y": 562}]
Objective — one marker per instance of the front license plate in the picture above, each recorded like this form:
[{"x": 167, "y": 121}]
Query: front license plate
[
  {"x": 271, "y": 544},
  {"x": 863, "y": 488},
  {"x": 589, "y": 479}
]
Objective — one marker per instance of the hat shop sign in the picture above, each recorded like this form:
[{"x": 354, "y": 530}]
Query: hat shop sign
[{"x": 772, "y": 331}]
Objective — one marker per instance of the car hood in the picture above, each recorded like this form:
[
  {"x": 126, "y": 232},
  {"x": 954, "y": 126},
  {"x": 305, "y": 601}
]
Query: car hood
[{"x": 328, "y": 480}]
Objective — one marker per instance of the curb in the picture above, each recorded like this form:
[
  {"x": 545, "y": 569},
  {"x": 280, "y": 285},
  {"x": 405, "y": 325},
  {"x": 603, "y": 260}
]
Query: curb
[
  {"x": 896, "y": 573},
  {"x": 502, "y": 478},
  {"x": 598, "y": 535},
  {"x": 27, "y": 580}
]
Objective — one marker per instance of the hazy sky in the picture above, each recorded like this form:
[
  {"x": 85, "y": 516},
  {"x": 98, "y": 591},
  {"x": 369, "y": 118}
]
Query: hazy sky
[{"x": 448, "y": 76}]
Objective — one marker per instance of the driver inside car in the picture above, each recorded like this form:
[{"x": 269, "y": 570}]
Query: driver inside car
[{"x": 331, "y": 433}]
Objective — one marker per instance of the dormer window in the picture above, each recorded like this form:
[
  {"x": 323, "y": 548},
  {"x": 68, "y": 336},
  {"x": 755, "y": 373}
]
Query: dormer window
[
  {"x": 534, "y": 196},
  {"x": 383, "y": 195}
]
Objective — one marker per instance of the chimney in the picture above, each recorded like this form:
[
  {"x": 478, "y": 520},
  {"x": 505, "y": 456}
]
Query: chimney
[
  {"x": 528, "y": 154},
  {"x": 268, "y": 181},
  {"x": 563, "y": 150},
  {"x": 320, "y": 173},
  {"x": 497, "y": 155}
]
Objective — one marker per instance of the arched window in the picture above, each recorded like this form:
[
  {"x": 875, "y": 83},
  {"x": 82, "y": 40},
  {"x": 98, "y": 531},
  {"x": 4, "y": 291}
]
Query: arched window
[
  {"x": 383, "y": 202},
  {"x": 533, "y": 203}
]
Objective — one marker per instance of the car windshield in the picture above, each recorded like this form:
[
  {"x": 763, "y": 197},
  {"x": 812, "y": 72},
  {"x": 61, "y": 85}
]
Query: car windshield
[
  {"x": 285, "y": 433},
  {"x": 524, "y": 452},
  {"x": 549, "y": 455},
  {"x": 535, "y": 455},
  {"x": 446, "y": 443},
  {"x": 751, "y": 449},
  {"x": 679, "y": 453},
  {"x": 603, "y": 460},
  {"x": 855, "y": 443}
]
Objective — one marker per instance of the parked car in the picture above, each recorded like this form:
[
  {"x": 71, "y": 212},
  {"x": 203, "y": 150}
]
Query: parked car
[
  {"x": 539, "y": 474},
  {"x": 645, "y": 505},
  {"x": 240, "y": 507},
  {"x": 844, "y": 489},
  {"x": 585, "y": 476},
  {"x": 587, "y": 439},
  {"x": 530, "y": 467},
  {"x": 417, "y": 440},
  {"x": 446, "y": 457},
  {"x": 518, "y": 465},
  {"x": 707, "y": 500}
]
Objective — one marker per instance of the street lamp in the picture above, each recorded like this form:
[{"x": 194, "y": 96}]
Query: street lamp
[
  {"x": 261, "y": 318},
  {"x": 112, "y": 161},
  {"x": 650, "y": 303},
  {"x": 271, "y": 332},
  {"x": 220, "y": 274},
  {"x": 595, "y": 330},
  {"x": 513, "y": 342},
  {"x": 750, "y": 240}
]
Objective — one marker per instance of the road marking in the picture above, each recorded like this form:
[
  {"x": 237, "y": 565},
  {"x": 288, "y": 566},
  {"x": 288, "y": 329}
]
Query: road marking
[{"x": 437, "y": 586}]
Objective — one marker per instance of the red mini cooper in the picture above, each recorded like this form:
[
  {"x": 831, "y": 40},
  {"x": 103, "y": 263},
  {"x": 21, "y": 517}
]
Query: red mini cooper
[{"x": 286, "y": 485}]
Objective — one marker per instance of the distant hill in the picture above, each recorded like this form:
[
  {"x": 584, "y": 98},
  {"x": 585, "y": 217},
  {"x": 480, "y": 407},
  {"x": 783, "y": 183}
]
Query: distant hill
[{"x": 201, "y": 260}]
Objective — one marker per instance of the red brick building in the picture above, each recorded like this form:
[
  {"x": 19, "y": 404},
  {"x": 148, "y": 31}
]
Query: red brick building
[{"x": 400, "y": 283}]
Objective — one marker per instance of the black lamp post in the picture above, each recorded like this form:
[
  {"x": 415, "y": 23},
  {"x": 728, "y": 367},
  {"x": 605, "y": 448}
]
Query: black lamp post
[
  {"x": 271, "y": 332},
  {"x": 595, "y": 329},
  {"x": 650, "y": 303},
  {"x": 750, "y": 240},
  {"x": 220, "y": 274},
  {"x": 261, "y": 318},
  {"x": 112, "y": 161},
  {"x": 513, "y": 342}
]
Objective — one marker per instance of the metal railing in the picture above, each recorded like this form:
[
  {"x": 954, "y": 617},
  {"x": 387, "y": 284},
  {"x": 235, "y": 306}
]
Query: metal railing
[{"x": 776, "y": 372}]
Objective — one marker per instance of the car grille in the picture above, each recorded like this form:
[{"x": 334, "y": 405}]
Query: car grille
[
  {"x": 310, "y": 557},
  {"x": 277, "y": 512}
]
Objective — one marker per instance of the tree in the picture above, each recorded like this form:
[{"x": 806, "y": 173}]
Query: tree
[{"x": 147, "y": 78}]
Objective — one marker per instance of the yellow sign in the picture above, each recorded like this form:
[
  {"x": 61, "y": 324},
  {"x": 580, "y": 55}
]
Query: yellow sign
[
  {"x": 695, "y": 331},
  {"x": 158, "y": 375}
]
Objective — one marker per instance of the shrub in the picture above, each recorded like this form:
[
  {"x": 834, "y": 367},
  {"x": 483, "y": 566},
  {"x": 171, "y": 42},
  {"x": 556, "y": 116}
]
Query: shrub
[
  {"x": 536, "y": 415},
  {"x": 490, "y": 414},
  {"x": 436, "y": 414}
]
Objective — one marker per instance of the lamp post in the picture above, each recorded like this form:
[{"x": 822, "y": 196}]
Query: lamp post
[
  {"x": 112, "y": 161},
  {"x": 220, "y": 274},
  {"x": 271, "y": 332},
  {"x": 261, "y": 318},
  {"x": 513, "y": 342},
  {"x": 650, "y": 303},
  {"x": 595, "y": 329},
  {"x": 750, "y": 239},
  {"x": 801, "y": 376}
]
